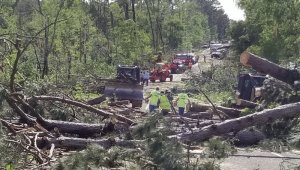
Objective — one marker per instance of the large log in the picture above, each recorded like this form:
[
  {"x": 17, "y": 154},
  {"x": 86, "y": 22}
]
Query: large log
[
  {"x": 235, "y": 125},
  {"x": 78, "y": 143},
  {"x": 96, "y": 100},
  {"x": 264, "y": 66},
  {"x": 199, "y": 107},
  {"x": 198, "y": 115},
  {"x": 82, "y": 129},
  {"x": 84, "y": 106},
  {"x": 245, "y": 103}
]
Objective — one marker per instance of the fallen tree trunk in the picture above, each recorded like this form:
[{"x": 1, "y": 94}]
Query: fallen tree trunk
[
  {"x": 84, "y": 106},
  {"x": 198, "y": 115},
  {"x": 79, "y": 143},
  {"x": 82, "y": 129},
  {"x": 264, "y": 66},
  {"x": 235, "y": 125},
  {"x": 245, "y": 103},
  {"x": 199, "y": 107},
  {"x": 97, "y": 100}
]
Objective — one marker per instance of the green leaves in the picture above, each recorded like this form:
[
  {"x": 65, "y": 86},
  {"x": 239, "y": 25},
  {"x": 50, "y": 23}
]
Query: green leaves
[{"x": 271, "y": 27}]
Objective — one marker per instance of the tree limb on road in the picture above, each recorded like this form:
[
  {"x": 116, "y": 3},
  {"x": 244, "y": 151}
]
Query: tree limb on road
[
  {"x": 233, "y": 125},
  {"x": 84, "y": 106}
]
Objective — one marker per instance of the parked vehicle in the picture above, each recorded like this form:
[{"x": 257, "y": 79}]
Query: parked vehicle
[
  {"x": 161, "y": 72},
  {"x": 249, "y": 86},
  {"x": 181, "y": 62},
  {"x": 218, "y": 51}
]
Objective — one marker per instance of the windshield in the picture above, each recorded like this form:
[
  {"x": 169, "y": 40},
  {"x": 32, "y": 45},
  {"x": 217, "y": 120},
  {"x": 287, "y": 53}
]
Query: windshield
[
  {"x": 215, "y": 46},
  {"x": 180, "y": 56}
]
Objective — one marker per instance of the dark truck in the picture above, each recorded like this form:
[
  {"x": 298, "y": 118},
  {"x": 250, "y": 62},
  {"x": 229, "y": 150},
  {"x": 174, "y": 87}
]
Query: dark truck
[
  {"x": 249, "y": 86},
  {"x": 218, "y": 50}
]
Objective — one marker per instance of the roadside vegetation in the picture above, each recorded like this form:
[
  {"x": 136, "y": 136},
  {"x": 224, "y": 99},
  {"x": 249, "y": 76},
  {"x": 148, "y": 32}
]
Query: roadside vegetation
[{"x": 65, "y": 48}]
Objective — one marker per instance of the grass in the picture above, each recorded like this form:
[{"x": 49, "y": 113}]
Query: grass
[{"x": 215, "y": 97}]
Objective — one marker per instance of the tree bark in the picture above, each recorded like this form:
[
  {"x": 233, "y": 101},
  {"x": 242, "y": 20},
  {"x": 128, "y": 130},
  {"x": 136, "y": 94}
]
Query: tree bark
[
  {"x": 198, "y": 107},
  {"x": 264, "y": 66},
  {"x": 78, "y": 143},
  {"x": 245, "y": 103},
  {"x": 97, "y": 100},
  {"x": 81, "y": 129},
  {"x": 151, "y": 26},
  {"x": 198, "y": 115},
  {"x": 133, "y": 10},
  {"x": 235, "y": 125}
]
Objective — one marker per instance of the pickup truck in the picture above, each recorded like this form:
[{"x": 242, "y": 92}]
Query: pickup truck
[{"x": 180, "y": 61}]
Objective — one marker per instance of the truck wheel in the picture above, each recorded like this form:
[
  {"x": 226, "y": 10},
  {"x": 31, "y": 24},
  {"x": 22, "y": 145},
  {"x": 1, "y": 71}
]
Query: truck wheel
[
  {"x": 162, "y": 79},
  {"x": 136, "y": 103},
  {"x": 171, "y": 77}
]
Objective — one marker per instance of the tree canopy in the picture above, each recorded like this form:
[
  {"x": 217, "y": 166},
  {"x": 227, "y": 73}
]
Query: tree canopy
[{"x": 271, "y": 28}]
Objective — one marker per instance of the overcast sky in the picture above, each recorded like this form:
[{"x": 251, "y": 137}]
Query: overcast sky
[{"x": 232, "y": 10}]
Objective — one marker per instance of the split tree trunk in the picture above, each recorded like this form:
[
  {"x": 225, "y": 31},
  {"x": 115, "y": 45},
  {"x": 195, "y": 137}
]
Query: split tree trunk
[
  {"x": 199, "y": 107},
  {"x": 235, "y": 125},
  {"x": 264, "y": 66}
]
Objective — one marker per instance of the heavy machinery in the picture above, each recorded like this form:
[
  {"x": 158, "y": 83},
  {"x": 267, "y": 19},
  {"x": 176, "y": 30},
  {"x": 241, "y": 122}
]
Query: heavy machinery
[
  {"x": 249, "y": 86},
  {"x": 126, "y": 85},
  {"x": 161, "y": 72}
]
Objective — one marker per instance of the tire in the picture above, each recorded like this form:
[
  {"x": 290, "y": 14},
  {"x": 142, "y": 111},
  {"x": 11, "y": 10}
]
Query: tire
[
  {"x": 152, "y": 81},
  {"x": 171, "y": 77},
  {"x": 162, "y": 80},
  {"x": 136, "y": 103}
]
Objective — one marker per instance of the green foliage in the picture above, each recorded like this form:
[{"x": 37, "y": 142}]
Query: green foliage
[
  {"x": 209, "y": 165},
  {"x": 219, "y": 148},
  {"x": 270, "y": 30},
  {"x": 96, "y": 157},
  {"x": 280, "y": 129},
  {"x": 274, "y": 145},
  {"x": 10, "y": 152},
  {"x": 247, "y": 111},
  {"x": 216, "y": 82}
]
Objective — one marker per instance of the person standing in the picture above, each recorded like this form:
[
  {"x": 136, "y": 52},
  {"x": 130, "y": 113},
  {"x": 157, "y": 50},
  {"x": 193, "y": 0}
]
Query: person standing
[
  {"x": 142, "y": 77},
  {"x": 164, "y": 103},
  {"x": 182, "y": 101},
  {"x": 190, "y": 65},
  {"x": 153, "y": 99},
  {"x": 146, "y": 77}
]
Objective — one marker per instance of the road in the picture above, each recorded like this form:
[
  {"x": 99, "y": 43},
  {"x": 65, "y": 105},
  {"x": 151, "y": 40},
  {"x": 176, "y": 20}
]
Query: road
[
  {"x": 255, "y": 159},
  {"x": 261, "y": 160}
]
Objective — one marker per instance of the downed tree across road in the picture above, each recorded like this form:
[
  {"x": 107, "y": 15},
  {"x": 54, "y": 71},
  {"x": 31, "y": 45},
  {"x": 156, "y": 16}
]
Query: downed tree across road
[{"x": 235, "y": 125}]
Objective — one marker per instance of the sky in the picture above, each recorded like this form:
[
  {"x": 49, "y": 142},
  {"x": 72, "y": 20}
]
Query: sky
[{"x": 232, "y": 10}]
